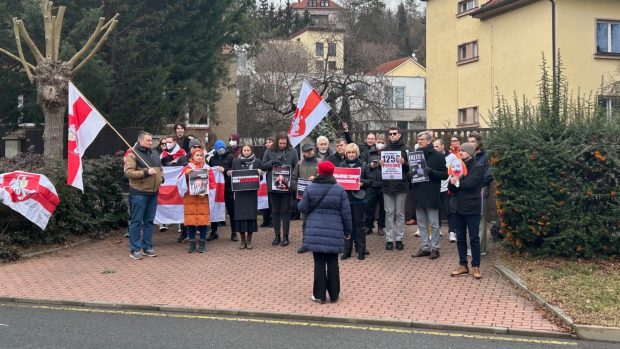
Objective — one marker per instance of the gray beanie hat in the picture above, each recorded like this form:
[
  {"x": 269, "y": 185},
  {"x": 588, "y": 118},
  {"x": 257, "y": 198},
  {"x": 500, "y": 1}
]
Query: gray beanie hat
[
  {"x": 194, "y": 142},
  {"x": 469, "y": 148}
]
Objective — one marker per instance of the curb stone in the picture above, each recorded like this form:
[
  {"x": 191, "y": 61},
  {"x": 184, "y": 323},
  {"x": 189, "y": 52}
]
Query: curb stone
[
  {"x": 598, "y": 333},
  {"x": 293, "y": 316}
]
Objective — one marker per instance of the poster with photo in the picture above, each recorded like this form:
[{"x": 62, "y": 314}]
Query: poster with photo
[
  {"x": 417, "y": 164},
  {"x": 302, "y": 184},
  {"x": 281, "y": 178},
  {"x": 391, "y": 169},
  {"x": 199, "y": 182},
  {"x": 244, "y": 180}
]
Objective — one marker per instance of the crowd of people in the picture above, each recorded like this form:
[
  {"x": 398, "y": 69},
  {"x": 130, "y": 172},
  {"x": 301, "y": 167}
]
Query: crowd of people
[{"x": 335, "y": 221}]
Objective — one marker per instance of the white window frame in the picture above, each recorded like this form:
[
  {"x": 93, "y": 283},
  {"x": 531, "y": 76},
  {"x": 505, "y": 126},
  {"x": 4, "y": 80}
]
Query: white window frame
[
  {"x": 609, "y": 41},
  {"x": 462, "y": 6}
]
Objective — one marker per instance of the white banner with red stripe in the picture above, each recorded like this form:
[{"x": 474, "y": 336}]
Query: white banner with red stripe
[
  {"x": 170, "y": 201},
  {"x": 85, "y": 122},
  {"x": 31, "y": 195},
  {"x": 311, "y": 109}
]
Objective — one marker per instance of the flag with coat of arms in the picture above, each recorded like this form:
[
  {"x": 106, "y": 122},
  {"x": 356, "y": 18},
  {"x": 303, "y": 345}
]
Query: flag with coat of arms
[
  {"x": 310, "y": 111},
  {"x": 30, "y": 194}
]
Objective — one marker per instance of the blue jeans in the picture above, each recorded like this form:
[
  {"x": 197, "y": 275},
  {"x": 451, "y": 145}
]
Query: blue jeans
[
  {"x": 462, "y": 225},
  {"x": 143, "y": 209},
  {"x": 191, "y": 231}
]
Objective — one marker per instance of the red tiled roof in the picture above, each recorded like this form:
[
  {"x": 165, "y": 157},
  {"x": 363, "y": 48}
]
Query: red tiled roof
[
  {"x": 302, "y": 4},
  {"x": 388, "y": 66}
]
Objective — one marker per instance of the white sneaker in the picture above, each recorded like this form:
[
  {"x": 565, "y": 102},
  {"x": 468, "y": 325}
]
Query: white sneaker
[
  {"x": 452, "y": 236},
  {"x": 417, "y": 233},
  {"x": 163, "y": 227},
  {"x": 469, "y": 252},
  {"x": 441, "y": 233}
]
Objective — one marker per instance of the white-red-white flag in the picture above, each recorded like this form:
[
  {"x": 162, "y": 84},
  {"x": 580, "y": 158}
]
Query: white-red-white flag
[
  {"x": 311, "y": 109},
  {"x": 30, "y": 194},
  {"x": 85, "y": 122}
]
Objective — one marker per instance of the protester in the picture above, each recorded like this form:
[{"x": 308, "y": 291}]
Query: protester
[
  {"x": 181, "y": 139},
  {"x": 306, "y": 168},
  {"x": 328, "y": 224},
  {"x": 395, "y": 193},
  {"x": 246, "y": 202},
  {"x": 172, "y": 154},
  {"x": 222, "y": 161},
  {"x": 196, "y": 208},
  {"x": 357, "y": 200},
  {"x": 269, "y": 141},
  {"x": 427, "y": 197},
  {"x": 322, "y": 146},
  {"x": 466, "y": 205},
  {"x": 444, "y": 210},
  {"x": 374, "y": 194},
  {"x": 282, "y": 154},
  {"x": 455, "y": 152},
  {"x": 370, "y": 140},
  {"x": 339, "y": 155},
  {"x": 233, "y": 145},
  {"x": 143, "y": 169}
]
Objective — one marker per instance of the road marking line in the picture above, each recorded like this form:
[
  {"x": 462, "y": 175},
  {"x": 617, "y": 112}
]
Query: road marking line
[
  {"x": 299, "y": 323},
  {"x": 5, "y": 325}
]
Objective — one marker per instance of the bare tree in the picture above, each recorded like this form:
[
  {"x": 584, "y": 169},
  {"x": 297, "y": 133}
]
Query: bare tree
[
  {"x": 272, "y": 83},
  {"x": 50, "y": 75}
]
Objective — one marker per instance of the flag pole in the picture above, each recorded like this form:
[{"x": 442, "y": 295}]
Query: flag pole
[{"x": 112, "y": 127}]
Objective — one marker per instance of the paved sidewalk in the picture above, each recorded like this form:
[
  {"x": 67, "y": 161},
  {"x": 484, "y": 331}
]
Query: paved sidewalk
[{"x": 387, "y": 285}]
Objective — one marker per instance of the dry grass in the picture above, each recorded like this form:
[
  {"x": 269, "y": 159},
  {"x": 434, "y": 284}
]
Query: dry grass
[{"x": 587, "y": 291}]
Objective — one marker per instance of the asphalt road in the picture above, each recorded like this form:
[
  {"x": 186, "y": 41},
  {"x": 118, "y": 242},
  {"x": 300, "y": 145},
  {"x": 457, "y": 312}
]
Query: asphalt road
[{"x": 38, "y": 326}]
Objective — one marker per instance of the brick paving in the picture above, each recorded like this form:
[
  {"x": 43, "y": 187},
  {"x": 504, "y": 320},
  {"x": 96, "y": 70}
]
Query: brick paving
[{"x": 387, "y": 285}]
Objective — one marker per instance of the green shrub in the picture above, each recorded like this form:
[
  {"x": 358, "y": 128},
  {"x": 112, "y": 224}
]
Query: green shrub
[
  {"x": 557, "y": 170},
  {"x": 102, "y": 206}
]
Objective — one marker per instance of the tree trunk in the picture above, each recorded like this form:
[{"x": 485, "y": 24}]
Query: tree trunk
[{"x": 52, "y": 81}]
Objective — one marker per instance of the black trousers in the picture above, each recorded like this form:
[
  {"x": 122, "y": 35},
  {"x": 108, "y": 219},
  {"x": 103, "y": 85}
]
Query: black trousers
[
  {"x": 229, "y": 200},
  {"x": 358, "y": 236},
  {"x": 374, "y": 196},
  {"x": 326, "y": 275},
  {"x": 280, "y": 211}
]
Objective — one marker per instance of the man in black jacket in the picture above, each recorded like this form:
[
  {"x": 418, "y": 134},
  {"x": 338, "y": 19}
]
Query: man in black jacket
[
  {"x": 427, "y": 197},
  {"x": 466, "y": 203},
  {"x": 395, "y": 193},
  {"x": 339, "y": 156},
  {"x": 374, "y": 194}
]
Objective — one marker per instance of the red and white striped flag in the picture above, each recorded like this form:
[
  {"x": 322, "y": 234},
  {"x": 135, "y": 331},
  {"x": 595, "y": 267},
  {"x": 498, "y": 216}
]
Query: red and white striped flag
[
  {"x": 263, "y": 200},
  {"x": 170, "y": 199},
  {"x": 85, "y": 122},
  {"x": 311, "y": 109},
  {"x": 30, "y": 194}
]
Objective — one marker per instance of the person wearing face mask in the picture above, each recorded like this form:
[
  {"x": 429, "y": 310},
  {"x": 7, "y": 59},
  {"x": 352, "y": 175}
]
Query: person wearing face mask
[
  {"x": 374, "y": 193},
  {"x": 233, "y": 145},
  {"x": 357, "y": 200},
  {"x": 173, "y": 154},
  {"x": 307, "y": 168},
  {"x": 322, "y": 146},
  {"x": 246, "y": 203},
  {"x": 339, "y": 156},
  {"x": 222, "y": 161},
  {"x": 281, "y": 154}
]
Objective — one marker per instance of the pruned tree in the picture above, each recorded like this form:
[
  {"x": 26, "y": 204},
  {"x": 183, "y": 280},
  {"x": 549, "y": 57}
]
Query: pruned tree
[{"x": 49, "y": 74}]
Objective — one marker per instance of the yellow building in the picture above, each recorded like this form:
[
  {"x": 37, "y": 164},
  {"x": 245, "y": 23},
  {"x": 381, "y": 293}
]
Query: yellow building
[
  {"x": 325, "y": 48},
  {"x": 477, "y": 48}
]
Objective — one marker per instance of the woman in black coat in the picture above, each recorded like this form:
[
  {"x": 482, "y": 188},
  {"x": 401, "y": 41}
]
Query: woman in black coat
[
  {"x": 328, "y": 224},
  {"x": 246, "y": 204}
]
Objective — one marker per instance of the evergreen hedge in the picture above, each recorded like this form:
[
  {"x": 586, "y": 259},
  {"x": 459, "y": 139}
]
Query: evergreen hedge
[
  {"x": 102, "y": 206},
  {"x": 557, "y": 171}
]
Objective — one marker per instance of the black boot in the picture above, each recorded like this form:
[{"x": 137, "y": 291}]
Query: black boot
[
  {"x": 361, "y": 249},
  {"x": 233, "y": 237},
  {"x": 202, "y": 246},
  {"x": 212, "y": 236},
  {"x": 277, "y": 240},
  {"x": 285, "y": 241},
  {"x": 192, "y": 246},
  {"x": 348, "y": 247},
  {"x": 182, "y": 237}
]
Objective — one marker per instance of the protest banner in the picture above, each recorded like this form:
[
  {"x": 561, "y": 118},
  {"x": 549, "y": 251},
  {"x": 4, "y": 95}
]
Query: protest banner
[
  {"x": 244, "y": 180},
  {"x": 281, "y": 178},
  {"x": 348, "y": 178},
  {"x": 417, "y": 164},
  {"x": 302, "y": 184},
  {"x": 391, "y": 168}
]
